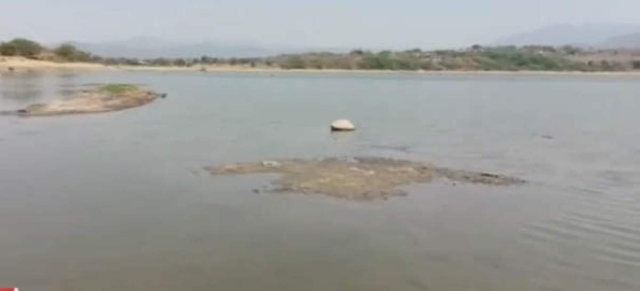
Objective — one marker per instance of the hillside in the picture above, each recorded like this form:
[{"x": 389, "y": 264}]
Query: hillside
[
  {"x": 628, "y": 41},
  {"x": 150, "y": 47},
  {"x": 588, "y": 35}
]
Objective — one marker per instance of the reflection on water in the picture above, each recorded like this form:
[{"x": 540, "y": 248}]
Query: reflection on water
[
  {"x": 111, "y": 201},
  {"x": 67, "y": 84},
  {"x": 343, "y": 138},
  {"x": 66, "y": 92},
  {"x": 20, "y": 90},
  {"x": 23, "y": 89}
]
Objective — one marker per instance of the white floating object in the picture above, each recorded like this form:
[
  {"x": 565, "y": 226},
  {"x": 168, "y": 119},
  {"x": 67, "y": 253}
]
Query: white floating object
[
  {"x": 271, "y": 164},
  {"x": 342, "y": 125}
]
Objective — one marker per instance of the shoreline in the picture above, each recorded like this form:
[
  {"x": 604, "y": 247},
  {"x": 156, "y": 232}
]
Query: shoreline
[{"x": 23, "y": 65}]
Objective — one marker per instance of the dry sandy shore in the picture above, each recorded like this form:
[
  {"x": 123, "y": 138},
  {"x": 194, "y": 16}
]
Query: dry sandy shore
[
  {"x": 365, "y": 178},
  {"x": 19, "y": 64}
]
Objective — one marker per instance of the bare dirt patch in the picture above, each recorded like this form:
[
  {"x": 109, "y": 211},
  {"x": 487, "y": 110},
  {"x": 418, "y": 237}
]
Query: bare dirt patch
[{"x": 364, "y": 178}]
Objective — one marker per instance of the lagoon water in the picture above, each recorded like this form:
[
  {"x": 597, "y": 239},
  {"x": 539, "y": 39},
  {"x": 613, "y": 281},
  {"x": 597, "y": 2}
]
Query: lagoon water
[{"x": 119, "y": 201}]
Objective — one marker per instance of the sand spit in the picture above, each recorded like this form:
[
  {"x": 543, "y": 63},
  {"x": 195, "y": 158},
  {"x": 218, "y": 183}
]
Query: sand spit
[{"x": 362, "y": 178}]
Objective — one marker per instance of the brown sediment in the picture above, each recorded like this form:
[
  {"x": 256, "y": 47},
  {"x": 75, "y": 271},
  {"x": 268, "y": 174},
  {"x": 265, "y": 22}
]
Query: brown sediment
[
  {"x": 104, "y": 98},
  {"x": 364, "y": 178}
]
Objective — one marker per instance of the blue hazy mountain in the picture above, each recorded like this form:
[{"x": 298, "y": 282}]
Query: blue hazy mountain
[
  {"x": 592, "y": 34},
  {"x": 148, "y": 47}
]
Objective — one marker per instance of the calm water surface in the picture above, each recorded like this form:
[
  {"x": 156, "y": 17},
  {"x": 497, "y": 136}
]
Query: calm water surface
[{"x": 119, "y": 201}]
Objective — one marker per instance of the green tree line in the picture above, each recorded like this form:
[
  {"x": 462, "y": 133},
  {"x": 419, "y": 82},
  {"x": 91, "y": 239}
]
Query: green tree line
[{"x": 505, "y": 58}]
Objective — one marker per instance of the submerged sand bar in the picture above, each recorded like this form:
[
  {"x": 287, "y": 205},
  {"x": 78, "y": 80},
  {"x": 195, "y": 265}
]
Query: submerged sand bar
[
  {"x": 102, "y": 98},
  {"x": 363, "y": 178}
]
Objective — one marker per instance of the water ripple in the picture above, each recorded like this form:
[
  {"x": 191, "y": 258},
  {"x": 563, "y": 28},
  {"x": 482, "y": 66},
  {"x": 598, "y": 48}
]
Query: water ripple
[{"x": 602, "y": 222}]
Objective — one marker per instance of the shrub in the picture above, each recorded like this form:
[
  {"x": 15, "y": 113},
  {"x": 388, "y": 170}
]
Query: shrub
[
  {"x": 72, "y": 54},
  {"x": 179, "y": 62},
  {"x": 294, "y": 62},
  {"x": 21, "y": 47},
  {"x": 8, "y": 49}
]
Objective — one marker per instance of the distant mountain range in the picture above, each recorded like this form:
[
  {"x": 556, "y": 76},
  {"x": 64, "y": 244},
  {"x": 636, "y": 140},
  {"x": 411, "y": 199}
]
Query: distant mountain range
[
  {"x": 606, "y": 35},
  {"x": 631, "y": 40},
  {"x": 148, "y": 47}
]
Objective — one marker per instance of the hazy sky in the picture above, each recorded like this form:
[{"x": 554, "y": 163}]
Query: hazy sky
[{"x": 326, "y": 23}]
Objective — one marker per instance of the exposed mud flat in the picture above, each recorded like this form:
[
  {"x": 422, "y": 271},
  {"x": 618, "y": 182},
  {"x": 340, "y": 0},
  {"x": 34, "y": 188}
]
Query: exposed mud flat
[
  {"x": 362, "y": 178},
  {"x": 102, "y": 98}
]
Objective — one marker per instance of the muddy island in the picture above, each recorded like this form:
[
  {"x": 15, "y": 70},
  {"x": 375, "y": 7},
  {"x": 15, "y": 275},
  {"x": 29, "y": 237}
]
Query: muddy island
[
  {"x": 362, "y": 178},
  {"x": 102, "y": 98}
]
